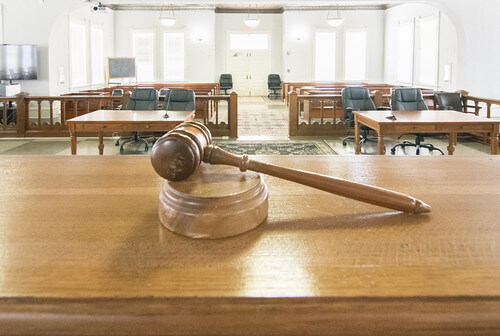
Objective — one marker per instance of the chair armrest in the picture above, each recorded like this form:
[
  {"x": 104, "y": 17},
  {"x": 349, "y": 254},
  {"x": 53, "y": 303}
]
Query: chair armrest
[{"x": 384, "y": 108}]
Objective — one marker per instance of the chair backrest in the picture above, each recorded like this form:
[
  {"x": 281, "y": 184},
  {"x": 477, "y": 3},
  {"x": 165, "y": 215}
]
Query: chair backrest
[
  {"x": 226, "y": 81},
  {"x": 448, "y": 101},
  {"x": 143, "y": 99},
  {"x": 407, "y": 99},
  {"x": 117, "y": 92},
  {"x": 273, "y": 81},
  {"x": 355, "y": 98},
  {"x": 179, "y": 100}
]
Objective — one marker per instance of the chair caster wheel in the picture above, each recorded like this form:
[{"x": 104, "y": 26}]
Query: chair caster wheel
[
  {"x": 117, "y": 143},
  {"x": 344, "y": 143},
  {"x": 393, "y": 151}
]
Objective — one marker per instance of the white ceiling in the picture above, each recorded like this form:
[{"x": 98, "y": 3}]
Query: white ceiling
[{"x": 260, "y": 4}]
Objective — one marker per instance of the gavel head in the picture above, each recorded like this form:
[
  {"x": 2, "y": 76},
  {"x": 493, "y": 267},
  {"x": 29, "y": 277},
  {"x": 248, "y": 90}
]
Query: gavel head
[{"x": 177, "y": 154}]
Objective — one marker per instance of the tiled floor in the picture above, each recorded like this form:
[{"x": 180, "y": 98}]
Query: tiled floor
[{"x": 258, "y": 119}]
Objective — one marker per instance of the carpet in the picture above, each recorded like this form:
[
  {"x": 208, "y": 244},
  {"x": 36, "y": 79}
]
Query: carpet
[{"x": 316, "y": 147}]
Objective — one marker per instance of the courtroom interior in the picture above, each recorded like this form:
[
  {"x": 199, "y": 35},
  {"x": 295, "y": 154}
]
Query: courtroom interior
[{"x": 254, "y": 167}]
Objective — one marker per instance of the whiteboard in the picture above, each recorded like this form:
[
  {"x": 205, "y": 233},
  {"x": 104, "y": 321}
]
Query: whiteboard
[{"x": 121, "y": 67}]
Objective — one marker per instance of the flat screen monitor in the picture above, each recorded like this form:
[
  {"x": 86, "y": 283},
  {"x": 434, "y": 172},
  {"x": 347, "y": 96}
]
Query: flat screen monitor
[{"x": 18, "y": 62}]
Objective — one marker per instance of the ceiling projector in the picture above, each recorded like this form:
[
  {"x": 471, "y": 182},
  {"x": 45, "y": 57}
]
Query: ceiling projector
[{"x": 99, "y": 8}]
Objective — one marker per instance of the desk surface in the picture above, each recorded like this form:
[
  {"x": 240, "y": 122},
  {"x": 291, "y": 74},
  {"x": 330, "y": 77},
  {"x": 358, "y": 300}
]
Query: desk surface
[
  {"x": 83, "y": 252},
  {"x": 135, "y": 116},
  {"x": 420, "y": 117}
]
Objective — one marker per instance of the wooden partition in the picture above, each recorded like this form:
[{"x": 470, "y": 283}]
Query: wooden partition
[{"x": 46, "y": 116}]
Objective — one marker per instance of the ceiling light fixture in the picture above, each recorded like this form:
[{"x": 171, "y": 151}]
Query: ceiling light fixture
[
  {"x": 252, "y": 22},
  {"x": 336, "y": 20},
  {"x": 169, "y": 18}
]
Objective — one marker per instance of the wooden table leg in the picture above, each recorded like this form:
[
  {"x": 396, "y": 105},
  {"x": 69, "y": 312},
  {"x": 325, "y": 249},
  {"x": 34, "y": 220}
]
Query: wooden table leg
[
  {"x": 380, "y": 143},
  {"x": 357, "y": 145},
  {"x": 72, "y": 138},
  {"x": 494, "y": 143},
  {"x": 101, "y": 143},
  {"x": 451, "y": 141}
]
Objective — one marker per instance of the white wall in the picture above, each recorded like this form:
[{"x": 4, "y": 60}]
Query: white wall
[
  {"x": 31, "y": 22},
  {"x": 59, "y": 46},
  {"x": 448, "y": 43},
  {"x": 230, "y": 23},
  {"x": 199, "y": 55},
  {"x": 298, "y": 55},
  {"x": 476, "y": 24}
]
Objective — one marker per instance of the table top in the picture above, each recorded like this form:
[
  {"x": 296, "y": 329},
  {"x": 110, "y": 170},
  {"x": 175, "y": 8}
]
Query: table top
[
  {"x": 423, "y": 117},
  {"x": 81, "y": 241},
  {"x": 136, "y": 116}
]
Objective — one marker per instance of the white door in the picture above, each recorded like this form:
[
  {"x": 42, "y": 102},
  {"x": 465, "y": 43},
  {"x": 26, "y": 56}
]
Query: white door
[{"x": 248, "y": 62}]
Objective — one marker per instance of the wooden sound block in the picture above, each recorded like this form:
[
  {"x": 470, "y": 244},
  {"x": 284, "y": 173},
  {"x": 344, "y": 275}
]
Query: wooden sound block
[{"x": 216, "y": 201}]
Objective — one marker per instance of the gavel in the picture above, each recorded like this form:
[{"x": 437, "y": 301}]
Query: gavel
[{"x": 177, "y": 154}]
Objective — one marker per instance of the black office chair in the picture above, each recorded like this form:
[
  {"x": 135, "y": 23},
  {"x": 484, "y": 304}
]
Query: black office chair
[
  {"x": 411, "y": 99},
  {"x": 452, "y": 101},
  {"x": 226, "y": 82},
  {"x": 116, "y": 104},
  {"x": 179, "y": 100},
  {"x": 140, "y": 99},
  {"x": 274, "y": 85},
  {"x": 357, "y": 98}
]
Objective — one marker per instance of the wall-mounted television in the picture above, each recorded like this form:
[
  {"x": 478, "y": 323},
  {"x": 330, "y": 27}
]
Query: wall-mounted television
[{"x": 18, "y": 62}]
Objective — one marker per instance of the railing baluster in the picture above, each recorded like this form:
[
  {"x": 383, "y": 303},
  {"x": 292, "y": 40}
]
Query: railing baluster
[
  {"x": 51, "y": 102},
  {"x": 39, "y": 113}
]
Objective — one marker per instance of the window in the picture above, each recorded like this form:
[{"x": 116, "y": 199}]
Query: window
[
  {"x": 143, "y": 51},
  {"x": 428, "y": 44},
  {"x": 173, "y": 56},
  {"x": 405, "y": 53},
  {"x": 97, "y": 55},
  {"x": 78, "y": 53},
  {"x": 248, "y": 42},
  {"x": 324, "y": 56},
  {"x": 355, "y": 55}
]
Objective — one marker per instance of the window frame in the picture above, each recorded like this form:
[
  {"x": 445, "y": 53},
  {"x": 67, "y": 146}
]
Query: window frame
[
  {"x": 83, "y": 24},
  {"x": 335, "y": 52},
  {"x": 419, "y": 51},
  {"x": 132, "y": 52},
  {"x": 163, "y": 55},
  {"x": 102, "y": 76},
  {"x": 355, "y": 30}
]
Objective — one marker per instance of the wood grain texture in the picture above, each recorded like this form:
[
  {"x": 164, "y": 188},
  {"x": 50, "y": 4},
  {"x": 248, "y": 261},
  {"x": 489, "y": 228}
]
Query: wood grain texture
[{"x": 83, "y": 252}]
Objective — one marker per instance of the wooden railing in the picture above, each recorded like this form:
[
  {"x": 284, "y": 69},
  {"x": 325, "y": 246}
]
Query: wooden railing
[
  {"x": 322, "y": 114},
  {"x": 46, "y": 116}
]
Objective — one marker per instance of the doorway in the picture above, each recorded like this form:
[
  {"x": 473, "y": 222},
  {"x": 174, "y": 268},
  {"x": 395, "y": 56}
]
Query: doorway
[{"x": 248, "y": 62}]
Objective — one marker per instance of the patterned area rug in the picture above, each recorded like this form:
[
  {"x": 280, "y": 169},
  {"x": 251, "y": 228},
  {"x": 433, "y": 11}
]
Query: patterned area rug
[{"x": 316, "y": 147}]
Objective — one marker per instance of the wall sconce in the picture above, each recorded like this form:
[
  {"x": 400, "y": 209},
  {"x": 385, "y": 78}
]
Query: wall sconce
[{"x": 167, "y": 19}]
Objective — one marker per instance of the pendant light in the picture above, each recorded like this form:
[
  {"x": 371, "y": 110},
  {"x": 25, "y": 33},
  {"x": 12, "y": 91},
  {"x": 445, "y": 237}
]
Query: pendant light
[
  {"x": 167, "y": 19},
  {"x": 252, "y": 22},
  {"x": 334, "y": 21}
]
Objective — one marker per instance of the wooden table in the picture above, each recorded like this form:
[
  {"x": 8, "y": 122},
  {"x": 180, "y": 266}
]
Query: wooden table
[
  {"x": 450, "y": 122},
  {"x": 83, "y": 253},
  {"x": 101, "y": 121}
]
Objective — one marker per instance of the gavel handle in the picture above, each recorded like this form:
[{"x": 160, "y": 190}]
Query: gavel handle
[{"x": 358, "y": 191}]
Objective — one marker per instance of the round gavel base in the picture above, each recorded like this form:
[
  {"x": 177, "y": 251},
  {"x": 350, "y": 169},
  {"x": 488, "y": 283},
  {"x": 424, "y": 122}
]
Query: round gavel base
[{"x": 216, "y": 201}]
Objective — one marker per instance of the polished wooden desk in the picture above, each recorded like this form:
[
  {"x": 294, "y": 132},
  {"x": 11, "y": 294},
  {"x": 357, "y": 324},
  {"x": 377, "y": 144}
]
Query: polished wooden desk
[
  {"x": 83, "y": 253},
  {"x": 124, "y": 120},
  {"x": 450, "y": 122}
]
